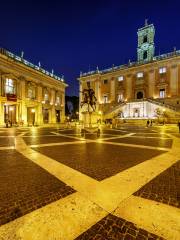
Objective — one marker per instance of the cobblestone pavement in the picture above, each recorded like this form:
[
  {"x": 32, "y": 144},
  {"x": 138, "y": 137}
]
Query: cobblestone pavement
[
  {"x": 5, "y": 142},
  {"x": 96, "y": 160},
  {"x": 114, "y": 228},
  {"x": 24, "y": 186},
  {"x": 165, "y": 188}
]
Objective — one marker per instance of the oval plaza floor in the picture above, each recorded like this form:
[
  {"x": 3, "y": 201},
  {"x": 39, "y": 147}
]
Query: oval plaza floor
[{"x": 55, "y": 184}]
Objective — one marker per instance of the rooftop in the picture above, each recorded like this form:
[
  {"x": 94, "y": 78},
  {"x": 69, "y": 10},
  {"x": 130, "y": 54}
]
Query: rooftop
[
  {"x": 25, "y": 62},
  {"x": 132, "y": 64}
]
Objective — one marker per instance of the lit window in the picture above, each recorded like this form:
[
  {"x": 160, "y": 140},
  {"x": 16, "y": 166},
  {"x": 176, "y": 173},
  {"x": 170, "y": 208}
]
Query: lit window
[
  {"x": 162, "y": 93},
  {"x": 105, "y": 98},
  {"x": 31, "y": 93},
  {"x": 120, "y": 97},
  {"x": 46, "y": 97},
  {"x": 139, "y": 74},
  {"x": 162, "y": 70},
  {"x": 105, "y": 81},
  {"x": 120, "y": 78},
  {"x": 58, "y": 100},
  {"x": 9, "y": 86}
]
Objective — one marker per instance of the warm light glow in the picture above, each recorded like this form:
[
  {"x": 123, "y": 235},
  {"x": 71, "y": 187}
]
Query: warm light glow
[
  {"x": 164, "y": 109},
  {"x": 11, "y": 109},
  {"x": 51, "y": 103},
  {"x": 77, "y": 112},
  {"x": 43, "y": 102},
  {"x": 33, "y": 110},
  {"x": 100, "y": 112}
]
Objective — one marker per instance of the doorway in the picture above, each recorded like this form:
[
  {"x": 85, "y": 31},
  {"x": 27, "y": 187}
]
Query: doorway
[
  {"x": 46, "y": 115},
  {"x": 10, "y": 114},
  {"x": 58, "y": 116}
]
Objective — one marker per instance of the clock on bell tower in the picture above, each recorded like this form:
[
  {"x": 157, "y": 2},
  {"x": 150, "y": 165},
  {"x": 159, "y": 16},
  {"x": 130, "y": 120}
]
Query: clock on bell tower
[{"x": 146, "y": 48}]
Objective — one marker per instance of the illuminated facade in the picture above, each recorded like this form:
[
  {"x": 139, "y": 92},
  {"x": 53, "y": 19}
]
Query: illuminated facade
[
  {"x": 29, "y": 95},
  {"x": 148, "y": 88}
]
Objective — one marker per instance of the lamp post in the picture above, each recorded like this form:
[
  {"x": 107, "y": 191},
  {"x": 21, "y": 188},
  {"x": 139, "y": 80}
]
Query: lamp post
[
  {"x": 11, "y": 110},
  {"x": 33, "y": 115}
]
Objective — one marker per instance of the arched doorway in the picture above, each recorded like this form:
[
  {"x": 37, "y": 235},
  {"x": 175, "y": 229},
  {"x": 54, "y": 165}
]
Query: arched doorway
[{"x": 139, "y": 95}]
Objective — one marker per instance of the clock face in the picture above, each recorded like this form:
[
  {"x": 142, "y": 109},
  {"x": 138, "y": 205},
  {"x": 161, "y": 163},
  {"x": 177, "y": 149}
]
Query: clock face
[{"x": 145, "y": 46}]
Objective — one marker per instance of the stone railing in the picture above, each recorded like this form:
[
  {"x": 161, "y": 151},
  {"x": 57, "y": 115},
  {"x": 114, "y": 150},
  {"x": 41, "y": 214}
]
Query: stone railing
[{"x": 25, "y": 62}]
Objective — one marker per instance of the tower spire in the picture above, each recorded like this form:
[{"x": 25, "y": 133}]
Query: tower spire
[{"x": 146, "y": 22}]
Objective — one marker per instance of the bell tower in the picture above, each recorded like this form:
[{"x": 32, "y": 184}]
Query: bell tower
[{"x": 146, "y": 48}]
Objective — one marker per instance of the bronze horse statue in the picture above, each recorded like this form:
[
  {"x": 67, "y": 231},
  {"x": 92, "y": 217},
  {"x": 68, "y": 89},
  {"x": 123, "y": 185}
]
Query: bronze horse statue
[{"x": 89, "y": 98}]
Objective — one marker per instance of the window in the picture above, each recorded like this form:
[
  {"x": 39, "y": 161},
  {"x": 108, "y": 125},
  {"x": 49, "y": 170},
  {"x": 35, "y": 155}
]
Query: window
[
  {"x": 46, "y": 97},
  {"x": 162, "y": 70},
  {"x": 105, "y": 99},
  {"x": 145, "y": 39},
  {"x": 140, "y": 74},
  {"x": 139, "y": 95},
  {"x": 162, "y": 93},
  {"x": 58, "y": 100},
  {"x": 31, "y": 93},
  {"x": 9, "y": 86},
  {"x": 105, "y": 81},
  {"x": 120, "y": 97},
  {"x": 120, "y": 78},
  {"x": 145, "y": 55}
]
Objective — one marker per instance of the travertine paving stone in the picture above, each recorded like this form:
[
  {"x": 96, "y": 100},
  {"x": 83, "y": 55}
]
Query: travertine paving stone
[
  {"x": 145, "y": 141},
  {"x": 97, "y": 160},
  {"x": 164, "y": 188},
  {"x": 46, "y": 139},
  {"x": 24, "y": 186},
  {"x": 114, "y": 228}
]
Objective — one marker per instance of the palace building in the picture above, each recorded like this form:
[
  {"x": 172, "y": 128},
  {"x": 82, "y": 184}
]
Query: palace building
[
  {"x": 146, "y": 89},
  {"x": 29, "y": 95}
]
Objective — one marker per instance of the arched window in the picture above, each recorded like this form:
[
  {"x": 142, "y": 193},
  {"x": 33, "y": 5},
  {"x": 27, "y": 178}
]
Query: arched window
[
  {"x": 139, "y": 95},
  {"x": 145, "y": 55},
  {"x": 145, "y": 39}
]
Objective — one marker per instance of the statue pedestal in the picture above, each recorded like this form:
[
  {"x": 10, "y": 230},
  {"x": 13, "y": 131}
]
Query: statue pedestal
[{"x": 89, "y": 126}]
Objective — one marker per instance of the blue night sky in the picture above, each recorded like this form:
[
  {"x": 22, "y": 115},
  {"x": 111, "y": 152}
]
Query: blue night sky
[{"x": 74, "y": 36}]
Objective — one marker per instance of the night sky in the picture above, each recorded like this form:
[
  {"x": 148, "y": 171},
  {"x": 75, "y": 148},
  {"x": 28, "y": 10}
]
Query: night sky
[{"x": 74, "y": 36}]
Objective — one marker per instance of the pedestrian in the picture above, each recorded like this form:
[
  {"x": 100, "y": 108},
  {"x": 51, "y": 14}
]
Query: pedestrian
[
  {"x": 179, "y": 125},
  {"x": 147, "y": 123},
  {"x": 151, "y": 123}
]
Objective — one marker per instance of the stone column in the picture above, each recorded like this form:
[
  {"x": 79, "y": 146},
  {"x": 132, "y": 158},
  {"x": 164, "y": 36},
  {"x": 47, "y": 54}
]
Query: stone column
[
  {"x": 39, "y": 107},
  {"x": 39, "y": 114},
  {"x": 23, "y": 108},
  {"x": 52, "y": 116},
  {"x": 1, "y": 114},
  {"x": 174, "y": 80},
  {"x": 63, "y": 108},
  {"x": 80, "y": 100},
  {"x": 151, "y": 84}
]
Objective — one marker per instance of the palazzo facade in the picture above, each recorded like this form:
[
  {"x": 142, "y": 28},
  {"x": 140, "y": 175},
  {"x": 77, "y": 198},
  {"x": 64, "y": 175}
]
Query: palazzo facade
[
  {"x": 147, "y": 88},
  {"x": 29, "y": 95}
]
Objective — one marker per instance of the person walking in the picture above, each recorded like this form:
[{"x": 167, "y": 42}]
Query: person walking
[
  {"x": 151, "y": 123},
  {"x": 147, "y": 123}
]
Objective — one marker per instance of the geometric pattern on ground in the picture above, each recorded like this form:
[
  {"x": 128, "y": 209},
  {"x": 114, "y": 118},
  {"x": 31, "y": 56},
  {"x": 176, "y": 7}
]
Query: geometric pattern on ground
[
  {"x": 98, "y": 160},
  {"x": 24, "y": 186}
]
